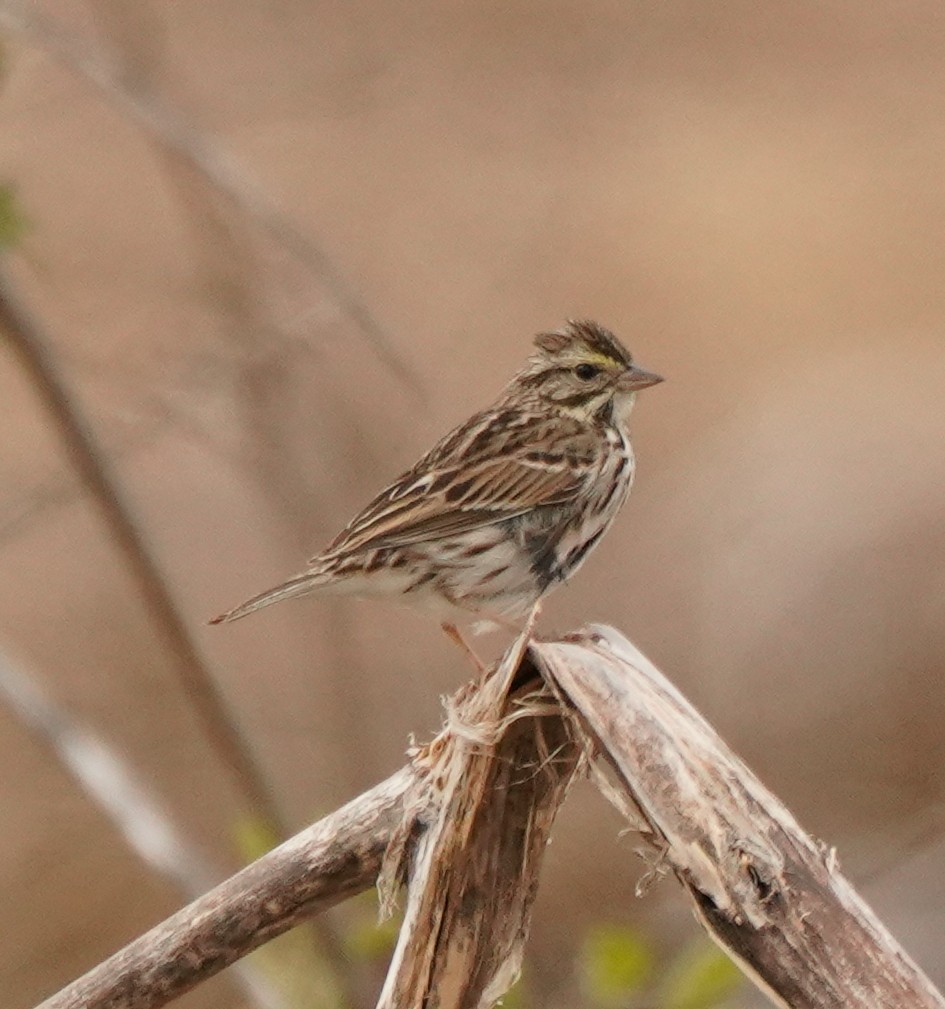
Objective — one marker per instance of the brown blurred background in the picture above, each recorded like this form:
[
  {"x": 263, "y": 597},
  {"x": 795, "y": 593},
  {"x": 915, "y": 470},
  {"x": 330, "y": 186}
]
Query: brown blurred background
[{"x": 751, "y": 195}]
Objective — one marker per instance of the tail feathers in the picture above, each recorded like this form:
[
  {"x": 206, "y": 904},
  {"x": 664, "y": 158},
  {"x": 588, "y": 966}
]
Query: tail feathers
[{"x": 299, "y": 586}]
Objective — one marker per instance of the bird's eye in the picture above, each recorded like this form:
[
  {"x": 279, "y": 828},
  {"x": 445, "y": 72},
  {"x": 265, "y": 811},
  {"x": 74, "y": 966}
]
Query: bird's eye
[{"x": 585, "y": 372}]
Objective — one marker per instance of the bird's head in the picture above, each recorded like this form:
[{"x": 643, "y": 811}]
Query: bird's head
[{"x": 582, "y": 369}]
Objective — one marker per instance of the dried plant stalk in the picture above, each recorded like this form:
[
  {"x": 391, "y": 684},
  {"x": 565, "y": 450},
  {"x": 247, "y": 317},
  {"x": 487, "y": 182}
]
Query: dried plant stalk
[
  {"x": 466, "y": 822},
  {"x": 770, "y": 895},
  {"x": 487, "y": 791}
]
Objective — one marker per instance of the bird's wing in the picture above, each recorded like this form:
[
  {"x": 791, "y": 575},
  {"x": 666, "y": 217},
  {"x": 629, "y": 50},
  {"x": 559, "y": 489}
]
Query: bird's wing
[{"x": 465, "y": 494}]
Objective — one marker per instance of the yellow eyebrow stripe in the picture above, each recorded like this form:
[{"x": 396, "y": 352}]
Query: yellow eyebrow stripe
[{"x": 602, "y": 359}]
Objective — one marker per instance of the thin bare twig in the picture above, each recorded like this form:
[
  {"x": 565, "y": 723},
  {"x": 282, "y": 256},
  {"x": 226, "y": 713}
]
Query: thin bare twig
[
  {"x": 30, "y": 345},
  {"x": 173, "y": 131},
  {"x": 109, "y": 781},
  {"x": 60, "y": 489},
  {"x": 163, "y": 416}
]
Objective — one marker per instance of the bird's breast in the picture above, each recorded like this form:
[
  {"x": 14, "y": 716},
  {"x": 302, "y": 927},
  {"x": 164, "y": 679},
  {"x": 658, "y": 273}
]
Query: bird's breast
[{"x": 560, "y": 540}]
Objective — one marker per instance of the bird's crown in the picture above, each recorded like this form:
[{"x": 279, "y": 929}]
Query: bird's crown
[{"x": 583, "y": 340}]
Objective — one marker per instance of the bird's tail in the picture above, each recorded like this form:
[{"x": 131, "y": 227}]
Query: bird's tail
[{"x": 299, "y": 586}]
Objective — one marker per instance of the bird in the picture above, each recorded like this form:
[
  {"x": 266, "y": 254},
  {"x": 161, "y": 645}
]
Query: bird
[{"x": 503, "y": 508}]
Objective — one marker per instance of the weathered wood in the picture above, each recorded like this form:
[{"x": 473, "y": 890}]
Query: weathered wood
[
  {"x": 489, "y": 787},
  {"x": 326, "y": 863},
  {"x": 466, "y": 822},
  {"x": 768, "y": 893}
]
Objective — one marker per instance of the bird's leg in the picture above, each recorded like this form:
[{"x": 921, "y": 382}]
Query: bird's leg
[
  {"x": 452, "y": 632},
  {"x": 520, "y": 644}
]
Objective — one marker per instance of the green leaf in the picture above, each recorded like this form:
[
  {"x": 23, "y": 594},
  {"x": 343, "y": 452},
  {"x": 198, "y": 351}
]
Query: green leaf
[
  {"x": 254, "y": 836},
  {"x": 13, "y": 225},
  {"x": 616, "y": 961},
  {"x": 701, "y": 977}
]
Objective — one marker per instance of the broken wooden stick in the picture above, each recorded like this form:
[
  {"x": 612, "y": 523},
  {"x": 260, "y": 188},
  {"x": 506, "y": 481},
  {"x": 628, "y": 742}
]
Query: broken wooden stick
[
  {"x": 770, "y": 895},
  {"x": 464, "y": 825}
]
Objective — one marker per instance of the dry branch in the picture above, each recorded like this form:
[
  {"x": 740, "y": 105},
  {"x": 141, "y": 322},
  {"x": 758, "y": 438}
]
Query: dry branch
[
  {"x": 326, "y": 863},
  {"x": 466, "y": 823},
  {"x": 770, "y": 895},
  {"x": 488, "y": 789}
]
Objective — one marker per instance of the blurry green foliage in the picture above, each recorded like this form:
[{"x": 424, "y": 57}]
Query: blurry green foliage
[
  {"x": 366, "y": 939},
  {"x": 516, "y": 997},
  {"x": 294, "y": 966},
  {"x": 700, "y": 978},
  {"x": 615, "y": 962},
  {"x": 254, "y": 836},
  {"x": 619, "y": 968},
  {"x": 13, "y": 224}
]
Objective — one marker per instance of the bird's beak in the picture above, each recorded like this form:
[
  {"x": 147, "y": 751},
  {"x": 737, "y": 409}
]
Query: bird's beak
[{"x": 636, "y": 378}]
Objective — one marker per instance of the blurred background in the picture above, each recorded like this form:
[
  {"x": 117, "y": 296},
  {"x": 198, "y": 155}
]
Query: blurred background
[{"x": 278, "y": 248}]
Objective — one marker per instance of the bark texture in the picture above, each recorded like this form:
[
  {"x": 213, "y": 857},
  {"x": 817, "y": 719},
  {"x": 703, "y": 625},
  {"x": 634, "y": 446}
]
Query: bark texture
[
  {"x": 772, "y": 896},
  {"x": 465, "y": 824}
]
